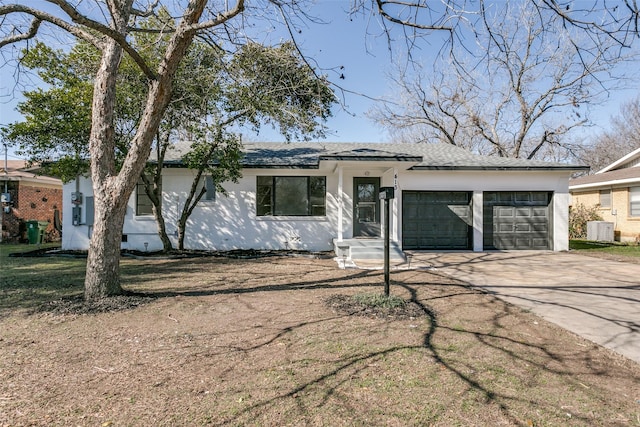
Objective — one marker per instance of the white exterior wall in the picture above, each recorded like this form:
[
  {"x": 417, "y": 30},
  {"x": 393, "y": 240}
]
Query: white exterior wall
[
  {"x": 75, "y": 237},
  {"x": 230, "y": 222}
]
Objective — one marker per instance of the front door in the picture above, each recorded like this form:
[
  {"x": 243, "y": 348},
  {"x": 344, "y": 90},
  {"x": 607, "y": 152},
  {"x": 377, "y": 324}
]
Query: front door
[{"x": 366, "y": 207}]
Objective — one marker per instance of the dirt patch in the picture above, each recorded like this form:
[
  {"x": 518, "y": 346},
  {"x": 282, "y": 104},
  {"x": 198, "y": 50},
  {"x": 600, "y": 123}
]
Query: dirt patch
[
  {"x": 227, "y": 342},
  {"x": 76, "y": 304}
]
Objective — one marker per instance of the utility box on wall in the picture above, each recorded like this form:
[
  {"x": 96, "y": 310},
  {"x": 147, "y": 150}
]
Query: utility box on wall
[
  {"x": 601, "y": 231},
  {"x": 75, "y": 215}
]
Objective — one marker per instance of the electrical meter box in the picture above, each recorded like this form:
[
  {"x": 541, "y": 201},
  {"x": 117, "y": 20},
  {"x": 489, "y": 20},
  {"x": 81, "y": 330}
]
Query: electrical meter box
[
  {"x": 75, "y": 215},
  {"x": 76, "y": 198},
  {"x": 5, "y": 198}
]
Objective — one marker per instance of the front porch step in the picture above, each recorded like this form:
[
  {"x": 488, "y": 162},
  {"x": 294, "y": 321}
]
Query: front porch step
[{"x": 367, "y": 249}]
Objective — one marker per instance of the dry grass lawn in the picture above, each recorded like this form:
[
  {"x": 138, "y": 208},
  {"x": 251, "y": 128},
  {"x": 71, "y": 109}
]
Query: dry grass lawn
[{"x": 254, "y": 342}]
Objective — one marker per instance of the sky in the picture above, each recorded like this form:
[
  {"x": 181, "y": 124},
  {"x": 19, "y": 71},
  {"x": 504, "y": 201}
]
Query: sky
[{"x": 352, "y": 42}]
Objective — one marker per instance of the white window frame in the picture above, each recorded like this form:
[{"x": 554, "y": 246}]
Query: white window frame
[
  {"x": 634, "y": 202},
  {"x": 605, "y": 202}
]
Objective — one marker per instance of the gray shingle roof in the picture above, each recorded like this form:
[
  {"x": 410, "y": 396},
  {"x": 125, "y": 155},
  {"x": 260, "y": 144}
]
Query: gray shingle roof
[
  {"x": 427, "y": 156},
  {"x": 606, "y": 178}
]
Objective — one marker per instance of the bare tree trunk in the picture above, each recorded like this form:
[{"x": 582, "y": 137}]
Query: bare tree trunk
[
  {"x": 103, "y": 262},
  {"x": 154, "y": 191},
  {"x": 167, "y": 246},
  {"x": 187, "y": 210},
  {"x": 111, "y": 189}
]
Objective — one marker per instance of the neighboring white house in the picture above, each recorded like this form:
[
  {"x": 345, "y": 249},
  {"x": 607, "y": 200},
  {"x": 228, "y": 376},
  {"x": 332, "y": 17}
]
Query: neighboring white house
[{"x": 310, "y": 196}]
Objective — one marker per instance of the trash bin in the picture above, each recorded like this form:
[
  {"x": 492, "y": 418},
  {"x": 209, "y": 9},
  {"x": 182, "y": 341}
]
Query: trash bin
[{"x": 35, "y": 231}]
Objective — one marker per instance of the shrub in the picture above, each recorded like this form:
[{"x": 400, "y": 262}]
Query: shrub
[{"x": 579, "y": 215}]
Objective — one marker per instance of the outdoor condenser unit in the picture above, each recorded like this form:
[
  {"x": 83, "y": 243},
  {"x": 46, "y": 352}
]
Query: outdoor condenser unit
[{"x": 601, "y": 231}]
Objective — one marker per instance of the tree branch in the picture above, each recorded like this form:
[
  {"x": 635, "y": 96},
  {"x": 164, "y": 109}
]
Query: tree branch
[
  {"x": 39, "y": 17},
  {"x": 121, "y": 39},
  {"x": 408, "y": 23},
  {"x": 221, "y": 18}
]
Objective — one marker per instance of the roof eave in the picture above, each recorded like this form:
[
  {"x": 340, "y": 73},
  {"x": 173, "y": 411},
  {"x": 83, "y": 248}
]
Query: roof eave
[
  {"x": 414, "y": 159},
  {"x": 504, "y": 168},
  {"x": 609, "y": 183},
  {"x": 634, "y": 154},
  {"x": 179, "y": 164}
]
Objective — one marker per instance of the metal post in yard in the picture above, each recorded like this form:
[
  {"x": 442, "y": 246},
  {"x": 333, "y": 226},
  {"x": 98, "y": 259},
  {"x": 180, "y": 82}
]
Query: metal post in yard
[
  {"x": 386, "y": 247},
  {"x": 386, "y": 193}
]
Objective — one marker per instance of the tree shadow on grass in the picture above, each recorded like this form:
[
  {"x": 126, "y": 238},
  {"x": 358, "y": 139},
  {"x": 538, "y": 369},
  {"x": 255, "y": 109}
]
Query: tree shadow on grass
[
  {"x": 439, "y": 336},
  {"x": 351, "y": 366}
]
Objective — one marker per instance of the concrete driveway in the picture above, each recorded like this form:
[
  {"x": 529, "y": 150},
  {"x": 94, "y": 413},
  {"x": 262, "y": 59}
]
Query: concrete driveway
[{"x": 595, "y": 298}]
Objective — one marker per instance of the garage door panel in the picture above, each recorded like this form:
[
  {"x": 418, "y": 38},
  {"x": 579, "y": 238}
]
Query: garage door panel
[
  {"x": 505, "y": 212},
  {"x": 436, "y": 220},
  {"x": 539, "y": 212},
  {"x": 517, "y": 220},
  {"x": 504, "y": 227},
  {"x": 542, "y": 228}
]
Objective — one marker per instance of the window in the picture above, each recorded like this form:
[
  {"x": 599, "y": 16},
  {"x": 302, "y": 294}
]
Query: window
[
  {"x": 143, "y": 202},
  {"x": 634, "y": 201},
  {"x": 605, "y": 198},
  {"x": 210, "y": 188},
  {"x": 291, "y": 195}
]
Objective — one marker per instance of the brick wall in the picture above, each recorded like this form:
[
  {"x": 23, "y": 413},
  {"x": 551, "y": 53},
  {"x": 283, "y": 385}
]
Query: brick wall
[
  {"x": 627, "y": 228},
  {"x": 31, "y": 201}
]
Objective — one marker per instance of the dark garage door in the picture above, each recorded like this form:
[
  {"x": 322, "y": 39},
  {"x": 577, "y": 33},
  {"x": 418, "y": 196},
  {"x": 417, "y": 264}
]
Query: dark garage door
[
  {"x": 436, "y": 220},
  {"x": 517, "y": 220}
]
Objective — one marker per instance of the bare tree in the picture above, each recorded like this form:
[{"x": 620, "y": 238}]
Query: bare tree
[
  {"x": 524, "y": 88},
  {"x": 622, "y": 137}
]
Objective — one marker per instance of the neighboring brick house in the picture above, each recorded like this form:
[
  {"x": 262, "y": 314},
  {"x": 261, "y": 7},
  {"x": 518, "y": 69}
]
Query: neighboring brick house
[
  {"x": 615, "y": 189},
  {"x": 31, "y": 197}
]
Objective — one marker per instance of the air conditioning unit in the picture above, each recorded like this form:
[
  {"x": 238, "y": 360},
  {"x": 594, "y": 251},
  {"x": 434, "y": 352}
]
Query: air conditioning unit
[
  {"x": 600, "y": 231},
  {"x": 5, "y": 198}
]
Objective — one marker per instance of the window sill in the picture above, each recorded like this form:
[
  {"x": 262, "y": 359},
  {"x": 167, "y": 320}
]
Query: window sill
[
  {"x": 292, "y": 218},
  {"x": 144, "y": 218}
]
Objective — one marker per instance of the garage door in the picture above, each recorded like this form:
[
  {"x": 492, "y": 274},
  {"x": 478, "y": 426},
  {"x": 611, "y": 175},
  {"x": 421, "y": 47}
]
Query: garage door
[
  {"x": 517, "y": 220},
  {"x": 436, "y": 220}
]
